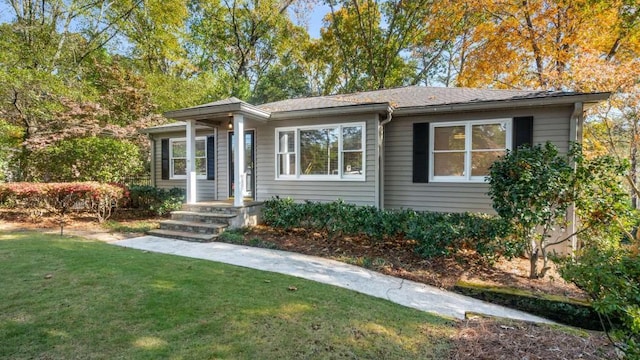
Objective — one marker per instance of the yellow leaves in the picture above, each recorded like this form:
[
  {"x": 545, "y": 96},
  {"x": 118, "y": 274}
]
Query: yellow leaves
[{"x": 550, "y": 44}]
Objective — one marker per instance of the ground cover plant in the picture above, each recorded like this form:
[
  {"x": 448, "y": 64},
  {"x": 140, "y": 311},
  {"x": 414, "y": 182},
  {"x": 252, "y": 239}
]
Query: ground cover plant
[{"x": 71, "y": 298}]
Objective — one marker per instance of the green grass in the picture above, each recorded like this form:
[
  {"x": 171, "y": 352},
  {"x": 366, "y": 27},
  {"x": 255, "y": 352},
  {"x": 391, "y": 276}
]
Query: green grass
[{"x": 69, "y": 298}]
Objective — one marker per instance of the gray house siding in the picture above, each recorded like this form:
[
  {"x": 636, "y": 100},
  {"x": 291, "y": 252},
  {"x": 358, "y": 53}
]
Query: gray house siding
[
  {"x": 358, "y": 192},
  {"x": 549, "y": 124},
  {"x": 205, "y": 188}
]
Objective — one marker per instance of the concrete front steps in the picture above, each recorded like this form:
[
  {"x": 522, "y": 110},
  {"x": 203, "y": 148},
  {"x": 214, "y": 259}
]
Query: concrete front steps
[{"x": 204, "y": 222}]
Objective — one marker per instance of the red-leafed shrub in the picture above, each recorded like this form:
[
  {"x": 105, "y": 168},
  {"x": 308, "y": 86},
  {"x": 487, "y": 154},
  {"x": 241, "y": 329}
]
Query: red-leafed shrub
[{"x": 100, "y": 199}]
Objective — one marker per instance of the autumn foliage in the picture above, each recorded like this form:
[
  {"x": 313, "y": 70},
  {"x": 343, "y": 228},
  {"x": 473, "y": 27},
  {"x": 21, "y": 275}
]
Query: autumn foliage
[{"x": 99, "y": 199}]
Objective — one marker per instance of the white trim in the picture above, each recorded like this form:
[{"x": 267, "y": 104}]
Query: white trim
[
  {"x": 340, "y": 176},
  {"x": 254, "y": 155},
  {"x": 468, "y": 150},
  {"x": 238, "y": 161},
  {"x": 172, "y": 176}
]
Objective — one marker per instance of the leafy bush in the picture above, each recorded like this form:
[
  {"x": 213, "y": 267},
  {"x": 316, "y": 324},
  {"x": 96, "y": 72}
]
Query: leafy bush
[
  {"x": 334, "y": 218},
  {"x": 232, "y": 237},
  {"x": 157, "y": 201},
  {"x": 436, "y": 234},
  {"x": 533, "y": 188},
  {"x": 100, "y": 159},
  {"x": 100, "y": 199},
  {"x": 443, "y": 234},
  {"x": 611, "y": 276}
]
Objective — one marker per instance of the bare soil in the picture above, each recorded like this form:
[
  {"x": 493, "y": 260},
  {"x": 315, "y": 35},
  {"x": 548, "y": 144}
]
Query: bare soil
[{"x": 476, "y": 338}]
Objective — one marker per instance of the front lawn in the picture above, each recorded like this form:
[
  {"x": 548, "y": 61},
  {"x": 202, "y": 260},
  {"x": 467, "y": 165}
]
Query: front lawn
[{"x": 69, "y": 298}]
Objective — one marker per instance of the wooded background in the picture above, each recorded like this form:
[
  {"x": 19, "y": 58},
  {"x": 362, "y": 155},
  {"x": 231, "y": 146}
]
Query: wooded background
[{"x": 80, "y": 75}]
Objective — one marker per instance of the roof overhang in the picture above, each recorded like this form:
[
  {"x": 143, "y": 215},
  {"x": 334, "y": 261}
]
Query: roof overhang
[
  {"x": 381, "y": 108},
  {"x": 218, "y": 112},
  {"x": 587, "y": 99},
  {"x": 176, "y": 126}
]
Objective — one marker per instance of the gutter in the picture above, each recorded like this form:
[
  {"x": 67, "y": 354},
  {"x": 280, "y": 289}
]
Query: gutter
[
  {"x": 177, "y": 126},
  {"x": 222, "y": 111},
  {"x": 388, "y": 119},
  {"x": 504, "y": 104},
  {"x": 331, "y": 111}
]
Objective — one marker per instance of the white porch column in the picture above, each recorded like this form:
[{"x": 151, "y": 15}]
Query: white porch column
[
  {"x": 191, "y": 162},
  {"x": 238, "y": 169}
]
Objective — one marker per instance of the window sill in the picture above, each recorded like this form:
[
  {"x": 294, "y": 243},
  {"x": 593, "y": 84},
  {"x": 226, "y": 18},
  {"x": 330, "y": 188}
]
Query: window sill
[
  {"x": 321, "y": 179},
  {"x": 199, "y": 177},
  {"x": 458, "y": 181}
]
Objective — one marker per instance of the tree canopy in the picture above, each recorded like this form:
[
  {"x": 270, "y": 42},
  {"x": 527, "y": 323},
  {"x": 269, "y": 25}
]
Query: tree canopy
[{"x": 78, "y": 68}]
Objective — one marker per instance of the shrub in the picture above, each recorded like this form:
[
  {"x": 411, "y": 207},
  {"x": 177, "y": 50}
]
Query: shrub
[
  {"x": 443, "y": 234},
  {"x": 100, "y": 159},
  {"x": 532, "y": 188},
  {"x": 610, "y": 274},
  {"x": 436, "y": 234},
  {"x": 100, "y": 199},
  {"x": 157, "y": 201}
]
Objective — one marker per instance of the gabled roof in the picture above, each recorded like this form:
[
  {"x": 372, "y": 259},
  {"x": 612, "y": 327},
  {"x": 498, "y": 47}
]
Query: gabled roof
[
  {"x": 220, "y": 109},
  {"x": 419, "y": 97},
  {"x": 403, "y": 100},
  {"x": 227, "y": 101}
]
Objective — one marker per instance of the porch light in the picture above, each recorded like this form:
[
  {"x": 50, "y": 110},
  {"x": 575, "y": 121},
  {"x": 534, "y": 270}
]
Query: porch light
[{"x": 230, "y": 125}]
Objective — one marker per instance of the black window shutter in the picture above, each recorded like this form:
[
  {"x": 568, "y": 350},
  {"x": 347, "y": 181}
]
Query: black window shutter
[
  {"x": 211, "y": 161},
  {"x": 165, "y": 159},
  {"x": 421, "y": 153},
  {"x": 522, "y": 131}
]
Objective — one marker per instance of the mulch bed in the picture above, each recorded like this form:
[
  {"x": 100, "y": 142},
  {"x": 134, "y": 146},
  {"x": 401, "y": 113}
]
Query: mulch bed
[
  {"x": 396, "y": 257},
  {"x": 488, "y": 339}
]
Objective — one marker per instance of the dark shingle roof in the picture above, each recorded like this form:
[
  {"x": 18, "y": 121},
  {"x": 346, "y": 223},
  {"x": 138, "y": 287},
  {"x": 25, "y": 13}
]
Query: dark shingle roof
[
  {"x": 227, "y": 101},
  {"x": 411, "y": 96}
]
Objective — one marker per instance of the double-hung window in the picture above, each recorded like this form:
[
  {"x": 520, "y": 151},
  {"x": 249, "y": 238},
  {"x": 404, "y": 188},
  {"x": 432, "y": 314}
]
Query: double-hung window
[
  {"x": 464, "y": 150},
  {"x": 323, "y": 152},
  {"x": 178, "y": 158}
]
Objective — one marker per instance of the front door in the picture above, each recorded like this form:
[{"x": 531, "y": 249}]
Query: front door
[{"x": 249, "y": 161}]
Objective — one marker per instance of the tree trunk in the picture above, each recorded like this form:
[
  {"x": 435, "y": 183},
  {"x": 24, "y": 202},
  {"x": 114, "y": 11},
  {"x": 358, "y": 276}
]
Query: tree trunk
[
  {"x": 633, "y": 173},
  {"x": 534, "y": 254},
  {"x": 533, "y": 260}
]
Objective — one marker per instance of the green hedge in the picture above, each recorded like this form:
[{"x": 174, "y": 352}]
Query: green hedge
[
  {"x": 157, "y": 201},
  {"x": 560, "y": 309},
  {"x": 436, "y": 234},
  {"x": 100, "y": 199}
]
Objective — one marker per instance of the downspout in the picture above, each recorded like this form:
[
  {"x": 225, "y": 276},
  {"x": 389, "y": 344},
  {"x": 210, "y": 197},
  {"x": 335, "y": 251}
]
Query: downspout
[
  {"x": 575, "y": 135},
  {"x": 379, "y": 184}
]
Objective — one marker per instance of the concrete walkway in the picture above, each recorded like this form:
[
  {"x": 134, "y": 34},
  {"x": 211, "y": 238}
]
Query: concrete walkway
[{"x": 404, "y": 292}]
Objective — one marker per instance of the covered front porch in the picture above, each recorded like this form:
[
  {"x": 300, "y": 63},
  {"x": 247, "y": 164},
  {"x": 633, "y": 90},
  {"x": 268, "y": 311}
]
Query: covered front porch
[{"x": 234, "y": 163}]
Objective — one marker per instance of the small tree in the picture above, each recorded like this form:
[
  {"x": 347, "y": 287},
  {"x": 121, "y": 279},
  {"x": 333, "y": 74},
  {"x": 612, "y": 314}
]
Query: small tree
[{"x": 532, "y": 188}]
